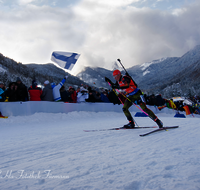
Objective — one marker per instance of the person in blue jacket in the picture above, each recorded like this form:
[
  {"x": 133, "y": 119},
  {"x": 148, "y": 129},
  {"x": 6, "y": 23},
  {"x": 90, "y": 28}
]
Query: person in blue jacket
[{"x": 2, "y": 92}]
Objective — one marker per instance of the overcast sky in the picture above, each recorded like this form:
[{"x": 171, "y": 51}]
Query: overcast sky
[{"x": 136, "y": 31}]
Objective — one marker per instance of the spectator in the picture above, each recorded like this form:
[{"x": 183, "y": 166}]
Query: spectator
[
  {"x": 73, "y": 95},
  {"x": 65, "y": 95},
  {"x": 159, "y": 100},
  {"x": 82, "y": 94},
  {"x": 35, "y": 92},
  {"x": 23, "y": 91},
  {"x": 179, "y": 105},
  {"x": 12, "y": 93},
  {"x": 47, "y": 94},
  {"x": 2, "y": 92},
  {"x": 94, "y": 96},
  {"x": 104, "y": 96},
  {"x": 113, "y": 98},
  {"x": 151, "y": 100},
  {"x": 78, "y": 90},
  {"x": 56, "y": 89}
]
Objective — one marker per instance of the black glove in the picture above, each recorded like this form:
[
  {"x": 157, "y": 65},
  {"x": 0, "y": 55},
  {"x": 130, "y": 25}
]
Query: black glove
[
  {"x": 108, "y": 80},
  {"x": 114, "y": 86}
]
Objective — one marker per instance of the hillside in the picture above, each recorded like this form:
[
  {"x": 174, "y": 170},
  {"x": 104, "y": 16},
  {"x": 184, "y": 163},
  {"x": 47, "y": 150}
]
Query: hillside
[{"x": 10, "y": 70}]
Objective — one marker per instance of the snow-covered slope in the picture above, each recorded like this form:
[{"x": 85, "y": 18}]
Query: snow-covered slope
[
  {"x": 51, "y": 151},
  {"x": 95, "y": 76},
  {"x": 2, "y": 70},
  {"x": 161, "y": 72}
]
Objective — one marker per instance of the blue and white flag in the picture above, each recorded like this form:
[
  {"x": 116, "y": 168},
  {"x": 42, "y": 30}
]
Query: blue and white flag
[{"x": 66, "y": 60}]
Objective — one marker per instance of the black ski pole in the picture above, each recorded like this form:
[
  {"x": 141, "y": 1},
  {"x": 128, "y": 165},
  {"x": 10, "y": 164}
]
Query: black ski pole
[
  {"x": 123, "y": 66},
  {"x": 126, "y": 71}
]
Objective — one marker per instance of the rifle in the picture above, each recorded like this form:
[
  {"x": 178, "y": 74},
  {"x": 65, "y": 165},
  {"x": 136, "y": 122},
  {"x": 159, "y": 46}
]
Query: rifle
[{"x": 126, "y": 71}]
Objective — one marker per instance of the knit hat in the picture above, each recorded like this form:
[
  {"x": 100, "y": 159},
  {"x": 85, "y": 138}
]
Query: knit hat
[
  {"x": 34, "y": 83},
  {"x": 1, "y": 82},
  {"x": 18, "y": 79},
  {"x": 46, "y": 82}
]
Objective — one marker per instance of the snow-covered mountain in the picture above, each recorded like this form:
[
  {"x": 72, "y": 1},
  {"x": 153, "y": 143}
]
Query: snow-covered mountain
[
  {"x": 169, "y": 76},
  {"x": 55, "y": 73},
  {"x": 165, "y": 76},
  {"x": 95, "y": 76},
  {"x": 10, "y": 70}
]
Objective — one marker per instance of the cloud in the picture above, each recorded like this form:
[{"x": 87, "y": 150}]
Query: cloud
[
  {"x": 99, "y": 30},
  {"x": 138, "y": 35},
  {"x": 25, "y": 2}
]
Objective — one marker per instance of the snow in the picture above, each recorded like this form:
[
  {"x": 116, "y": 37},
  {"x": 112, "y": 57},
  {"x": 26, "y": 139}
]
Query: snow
[
  {"x": 2, "y": 70},
  {"x": 146, "y": 65},
  {"x": 51, "y": 151}
]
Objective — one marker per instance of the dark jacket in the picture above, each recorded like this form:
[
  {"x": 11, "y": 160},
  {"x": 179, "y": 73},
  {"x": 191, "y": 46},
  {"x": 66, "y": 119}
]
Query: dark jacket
[
  {"x": 65, "y": 96},
  {"x": 104, "y": 98},
  {"x": 12, "y": 92},
  {"x": 47, "y": 94},
  {"x": 23, "y": 92},
  {"x": 93, "y": 96},
  {"x": 113, "y": 98}
]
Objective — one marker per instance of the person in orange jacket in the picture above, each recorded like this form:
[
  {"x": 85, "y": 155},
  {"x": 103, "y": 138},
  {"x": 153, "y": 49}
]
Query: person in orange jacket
[{"x": 133, "y": 94}]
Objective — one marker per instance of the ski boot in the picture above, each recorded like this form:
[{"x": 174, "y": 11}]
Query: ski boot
[{"x": 130, "y": 125}]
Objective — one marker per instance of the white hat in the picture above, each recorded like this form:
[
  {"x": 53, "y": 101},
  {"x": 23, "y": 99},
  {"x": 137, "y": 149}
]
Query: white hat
[
  {"x": 46, "y": 82},
  {"x": 83, "y": 89}
]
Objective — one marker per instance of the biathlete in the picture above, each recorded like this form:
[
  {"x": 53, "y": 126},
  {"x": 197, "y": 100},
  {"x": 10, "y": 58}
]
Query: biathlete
[{"x": 133, "y": 93}]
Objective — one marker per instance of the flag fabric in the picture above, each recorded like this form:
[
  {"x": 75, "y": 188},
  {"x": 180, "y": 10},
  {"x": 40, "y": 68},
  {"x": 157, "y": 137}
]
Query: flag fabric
[
  {"x": 66, "y": 60},
  {"x": 187, "y": 110}
]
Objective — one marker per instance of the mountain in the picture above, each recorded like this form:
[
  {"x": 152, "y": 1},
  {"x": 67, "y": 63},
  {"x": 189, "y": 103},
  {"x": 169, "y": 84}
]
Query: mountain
[
  {"x": 55, "y": 73},
  {"x": 172, "y": 76},
  {"x": 95, "y": 76},
  {"x": 10, "y": 70}
]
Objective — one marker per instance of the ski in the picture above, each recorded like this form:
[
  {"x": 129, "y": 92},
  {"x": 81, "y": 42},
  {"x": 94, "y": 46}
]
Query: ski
[
  {"x": 117, "y": 128},
  {"x": 160, "y": 129}
]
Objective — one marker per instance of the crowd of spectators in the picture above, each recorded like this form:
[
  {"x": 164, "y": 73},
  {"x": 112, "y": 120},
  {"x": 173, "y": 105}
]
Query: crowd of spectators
[{"x": 17, "y": 91}]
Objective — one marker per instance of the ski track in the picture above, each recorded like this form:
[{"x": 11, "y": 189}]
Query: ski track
[{"x": 56, "y": 143}]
